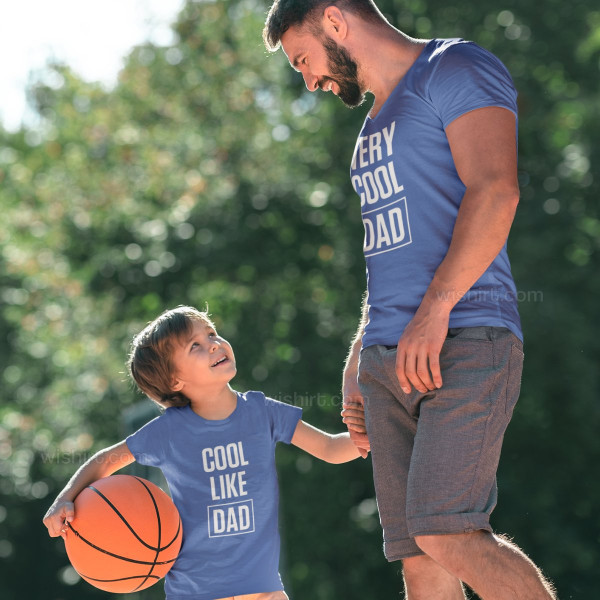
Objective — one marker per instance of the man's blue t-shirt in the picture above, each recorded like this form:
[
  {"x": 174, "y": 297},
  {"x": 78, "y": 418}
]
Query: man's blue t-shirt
[
  {"x": 410, "y": 191},
  {"x": 222, "y": 478}
]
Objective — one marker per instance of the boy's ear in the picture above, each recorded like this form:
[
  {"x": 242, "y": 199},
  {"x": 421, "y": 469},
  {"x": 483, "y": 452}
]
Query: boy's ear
[{"x": 177, "y": 385}]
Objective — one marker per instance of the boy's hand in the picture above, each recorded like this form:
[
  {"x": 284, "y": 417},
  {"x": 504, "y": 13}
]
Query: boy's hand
[{"x": 57, "y": 517}]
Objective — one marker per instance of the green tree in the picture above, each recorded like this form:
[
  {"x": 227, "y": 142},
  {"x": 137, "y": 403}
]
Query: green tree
[{"x": 210, "y": 175}]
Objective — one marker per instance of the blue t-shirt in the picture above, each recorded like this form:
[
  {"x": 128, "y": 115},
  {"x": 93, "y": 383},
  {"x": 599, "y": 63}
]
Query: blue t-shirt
[
  {"x": 410, "y": 191},
  {"x": 222, "y": 479}
]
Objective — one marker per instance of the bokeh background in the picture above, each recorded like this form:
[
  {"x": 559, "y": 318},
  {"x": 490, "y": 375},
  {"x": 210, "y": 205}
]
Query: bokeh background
[{"x": 209, "y": 175}]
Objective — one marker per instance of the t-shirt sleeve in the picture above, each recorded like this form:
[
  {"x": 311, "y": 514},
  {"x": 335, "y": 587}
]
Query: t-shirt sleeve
[
  {"x": 467, "y": 77},
  {"x": 146, "y": 443},
  {"x": 283, "y": 418}
]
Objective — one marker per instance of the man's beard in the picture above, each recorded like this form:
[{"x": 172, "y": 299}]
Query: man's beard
[{"x": 344, "y": 72}]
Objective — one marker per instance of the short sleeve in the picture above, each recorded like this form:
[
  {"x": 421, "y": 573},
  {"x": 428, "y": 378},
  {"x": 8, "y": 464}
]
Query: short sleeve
[
  {"x": 146, "y": 443},
  {"x": 467, "y": 77},
  {"x": 283, "y": 418}
]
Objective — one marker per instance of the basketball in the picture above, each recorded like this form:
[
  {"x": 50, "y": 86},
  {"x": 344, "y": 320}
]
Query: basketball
[{"x": 126, "y": 534}]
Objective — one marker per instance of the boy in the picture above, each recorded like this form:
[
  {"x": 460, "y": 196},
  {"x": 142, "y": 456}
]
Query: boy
[{"x": 215, "y": 446}]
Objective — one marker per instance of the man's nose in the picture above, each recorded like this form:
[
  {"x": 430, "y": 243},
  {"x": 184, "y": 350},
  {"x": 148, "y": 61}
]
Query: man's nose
[{"x": 311, "y": 81}]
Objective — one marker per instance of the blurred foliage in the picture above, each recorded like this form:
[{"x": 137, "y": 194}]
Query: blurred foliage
[{"x": 210, "y": 175}]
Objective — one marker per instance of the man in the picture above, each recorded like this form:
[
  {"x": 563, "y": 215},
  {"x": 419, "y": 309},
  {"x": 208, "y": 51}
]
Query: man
[{"x": 440, "y": 341}]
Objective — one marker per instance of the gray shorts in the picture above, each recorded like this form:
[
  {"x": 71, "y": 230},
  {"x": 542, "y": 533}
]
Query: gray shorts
[{"x": 435, "y": 454}]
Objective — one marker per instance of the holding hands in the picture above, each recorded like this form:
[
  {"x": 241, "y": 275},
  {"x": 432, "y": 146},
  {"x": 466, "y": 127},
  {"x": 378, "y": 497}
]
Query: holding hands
[{"x": 353, "y": 415}]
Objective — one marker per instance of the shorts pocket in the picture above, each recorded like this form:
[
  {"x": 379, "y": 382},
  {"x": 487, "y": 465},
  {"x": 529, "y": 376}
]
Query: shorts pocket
[
  {"x": 468, "y": 369},
  {"x": 513, "y": 386},
  {"x": 454, "y": 331}
]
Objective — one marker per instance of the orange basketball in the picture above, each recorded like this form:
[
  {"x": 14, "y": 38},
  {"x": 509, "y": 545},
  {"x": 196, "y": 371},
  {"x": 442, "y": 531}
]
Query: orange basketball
[{"x": 126, "y": 534}]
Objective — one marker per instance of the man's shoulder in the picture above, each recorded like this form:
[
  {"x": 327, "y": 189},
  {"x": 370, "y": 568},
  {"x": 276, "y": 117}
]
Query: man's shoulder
[
  {"x": 448, "y": 52},
  {"x": 462, "y": 72},
  {"x": 439, "y": 57},
  {"x": 441, "y": 46}
]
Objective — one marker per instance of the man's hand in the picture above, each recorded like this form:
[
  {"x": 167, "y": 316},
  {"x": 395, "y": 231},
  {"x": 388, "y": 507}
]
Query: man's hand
[
  {"x": 418, "y": 356},
  {"x": 353, "y": 415}
]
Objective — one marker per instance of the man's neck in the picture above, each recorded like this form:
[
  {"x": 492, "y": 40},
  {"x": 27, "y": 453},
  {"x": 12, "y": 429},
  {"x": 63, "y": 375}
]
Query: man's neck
[{"x": 385, "y": 56}]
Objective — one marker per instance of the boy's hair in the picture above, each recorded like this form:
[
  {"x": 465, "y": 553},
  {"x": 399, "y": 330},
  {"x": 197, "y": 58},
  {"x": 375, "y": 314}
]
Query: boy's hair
[
  {"x": 286, "y": 13},
  {"x": 150, "y": 359}
]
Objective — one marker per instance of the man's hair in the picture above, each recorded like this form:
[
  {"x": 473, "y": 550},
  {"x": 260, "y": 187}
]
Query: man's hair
[
  {"x": 286, "y": 13},
  {"x": 150, "y": 359}
]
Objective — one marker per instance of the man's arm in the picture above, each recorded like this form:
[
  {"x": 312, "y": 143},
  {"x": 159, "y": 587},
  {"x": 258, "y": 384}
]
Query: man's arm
[
  {"x": 353, "y": 412},
  {"x": 484, "y": 147}
]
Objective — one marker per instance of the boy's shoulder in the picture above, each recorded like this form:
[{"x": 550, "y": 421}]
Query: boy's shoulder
[
  {"x": 160, "y": 420},
  {"x": 255, "y": 398},
  {"x": 255, "y": 401},
  {"x": 252, "y": 396},
  {"x": 258, "y": 401}
]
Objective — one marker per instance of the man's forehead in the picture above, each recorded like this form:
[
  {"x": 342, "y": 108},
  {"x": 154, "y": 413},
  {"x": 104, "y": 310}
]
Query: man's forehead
[{"x": 294, "y": 43}]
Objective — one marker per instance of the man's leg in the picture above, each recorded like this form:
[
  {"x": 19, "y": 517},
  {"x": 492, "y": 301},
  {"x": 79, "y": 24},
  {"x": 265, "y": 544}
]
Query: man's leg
[
  {"x": 391, "y": 431},
  {"x": 493, "y": 567},
  {"x": 452, "y": 481},
  {"x": 424, "y": 579}
]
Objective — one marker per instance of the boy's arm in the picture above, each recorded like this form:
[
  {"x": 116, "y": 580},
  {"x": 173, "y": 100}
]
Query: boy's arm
[
  {"x": 328, "y": 447},
  {"x": 103, "y": 463}
]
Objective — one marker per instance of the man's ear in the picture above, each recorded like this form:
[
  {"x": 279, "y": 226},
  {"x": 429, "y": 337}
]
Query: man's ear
[{"x": 334, "y": 23}]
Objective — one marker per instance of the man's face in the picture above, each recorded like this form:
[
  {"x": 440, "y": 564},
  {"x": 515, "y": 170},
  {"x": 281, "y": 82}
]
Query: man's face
[
  {"x": 324, "y": 64},
  {"x": 344, "y": 71}
]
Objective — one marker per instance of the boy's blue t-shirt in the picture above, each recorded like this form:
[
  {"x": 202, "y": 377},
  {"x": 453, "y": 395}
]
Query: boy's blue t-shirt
[
  {"x": 222, "y": 478},
  {"x": 410, "y": 191}
]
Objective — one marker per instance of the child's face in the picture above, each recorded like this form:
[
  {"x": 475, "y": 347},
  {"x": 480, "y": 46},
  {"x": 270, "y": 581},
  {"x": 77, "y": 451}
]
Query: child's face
[{"x": 203, "y": 361}]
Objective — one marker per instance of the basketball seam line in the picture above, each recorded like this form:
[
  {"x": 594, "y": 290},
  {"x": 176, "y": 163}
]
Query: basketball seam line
[
  {"x": 159, "y": 522},
  {"x": 120, "y": 579},
  {"x": 139, "y": 539},
  {"x": 133, "y": 560}
]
